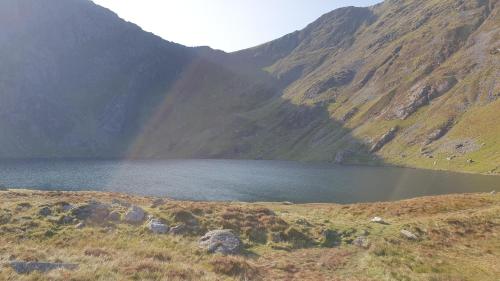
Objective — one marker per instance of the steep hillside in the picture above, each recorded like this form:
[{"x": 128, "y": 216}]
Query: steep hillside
[
  {"x": 74, "y": 77},
  {"x": 77, "y": 81},
  {"x": 417, "y": 82}
]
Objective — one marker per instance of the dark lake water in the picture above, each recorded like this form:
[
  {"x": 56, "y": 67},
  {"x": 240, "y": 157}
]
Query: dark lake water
[{"x": 241, "y": 180}]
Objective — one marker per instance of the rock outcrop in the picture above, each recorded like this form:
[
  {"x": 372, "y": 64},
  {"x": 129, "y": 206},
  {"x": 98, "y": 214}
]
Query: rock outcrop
[
  {"x": 421, "y": 94},
  {"x": 93, "y": 211},
  {"x": 386, "y": 138},
  {"x": 158, "y": 227},
  {"x": 23, "y": 267},
  {"x": 221, "y": 241},
  {"x": 135, "y": 215}
]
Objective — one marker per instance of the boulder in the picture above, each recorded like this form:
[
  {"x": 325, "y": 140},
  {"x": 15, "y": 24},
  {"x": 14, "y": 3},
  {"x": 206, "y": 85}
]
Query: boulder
[
  {"x": 23, "y": 267},
  {"x": 408, "y": 235},
  {"x": 94, "y": 211},
  {"x": 157, "y": 227},
  {"x": 135, "y": 215},
  {"x": 221, "y": 241}
]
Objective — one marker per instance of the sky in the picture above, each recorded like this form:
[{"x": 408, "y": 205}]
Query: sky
[{"x": 228, "y": 25}]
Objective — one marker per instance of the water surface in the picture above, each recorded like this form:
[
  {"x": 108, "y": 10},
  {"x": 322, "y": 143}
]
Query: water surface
[{"x": 241, "y": 180}]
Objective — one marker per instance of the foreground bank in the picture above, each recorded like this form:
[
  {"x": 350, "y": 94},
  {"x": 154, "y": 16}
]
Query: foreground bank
[{"x": 109, "y": 236}]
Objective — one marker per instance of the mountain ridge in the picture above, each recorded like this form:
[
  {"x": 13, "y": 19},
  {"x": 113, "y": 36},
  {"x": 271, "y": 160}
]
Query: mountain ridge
[{"x": 395, "y": 84}]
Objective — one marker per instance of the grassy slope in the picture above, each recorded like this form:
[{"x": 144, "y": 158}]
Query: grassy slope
[{"x": 458, "y": 240}]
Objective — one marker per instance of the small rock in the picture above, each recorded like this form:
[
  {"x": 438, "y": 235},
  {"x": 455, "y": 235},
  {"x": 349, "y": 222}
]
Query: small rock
[
  {"x": 287, "y": 203},
  {"x": 409, "y": 235},
  {"x": 158, "y": 227},
  {"x": 22, "y": 267},
  {"x": 221, "y": 241},
  {"x": 135, "y": 215},
  {"x": 361, "y": 241},
  {"x": 45, "y": 211},
  {"x": 378, "y": 220},
  {"x": 470, "y": 161},
  {"x": 80, "y": 225},
  {"x": 493, "y": 192}
]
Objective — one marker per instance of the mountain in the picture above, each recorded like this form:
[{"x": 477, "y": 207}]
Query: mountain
[
  {"x": 78, "y": 81},
  {"x": 405, "y": 82},
  {"x": 418, "y": 82}
]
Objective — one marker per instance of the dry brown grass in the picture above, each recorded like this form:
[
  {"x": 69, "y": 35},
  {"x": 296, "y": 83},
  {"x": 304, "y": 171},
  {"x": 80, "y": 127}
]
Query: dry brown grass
[
  {"x": 458, "y": 240},
  {"x": 236, "y": 267}
]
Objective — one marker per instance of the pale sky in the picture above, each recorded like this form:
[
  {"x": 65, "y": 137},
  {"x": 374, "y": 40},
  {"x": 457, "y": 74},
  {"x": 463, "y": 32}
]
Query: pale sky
[{"x": 228, "y": 25}]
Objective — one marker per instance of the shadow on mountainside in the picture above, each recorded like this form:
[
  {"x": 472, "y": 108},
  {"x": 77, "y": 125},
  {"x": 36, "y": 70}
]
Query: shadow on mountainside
[{"x": 215, "y": 111}]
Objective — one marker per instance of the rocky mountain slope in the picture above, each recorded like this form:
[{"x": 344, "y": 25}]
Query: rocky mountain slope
[
  {"x": 417, "y": 82},
  {"x": 412, "y": 83}
]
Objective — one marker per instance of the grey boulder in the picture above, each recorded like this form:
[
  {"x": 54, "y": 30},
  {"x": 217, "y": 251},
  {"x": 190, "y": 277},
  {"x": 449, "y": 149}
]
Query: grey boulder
[
  {"x": 135, "y": 215},
  {"x": 221, "y": 241},
  {"x": 94, "y": 211},
  {"x": 23, "y": 267},
  {"x": 157, "y": 227}
]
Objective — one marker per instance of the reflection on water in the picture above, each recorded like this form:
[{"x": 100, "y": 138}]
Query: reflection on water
[{"x": 241, "y": 180}]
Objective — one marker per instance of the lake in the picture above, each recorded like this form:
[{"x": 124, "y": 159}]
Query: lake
[{"x": 241, "y": 180}]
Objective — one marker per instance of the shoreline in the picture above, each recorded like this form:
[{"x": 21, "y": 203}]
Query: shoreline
[{"x": 314, "y": 162}]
